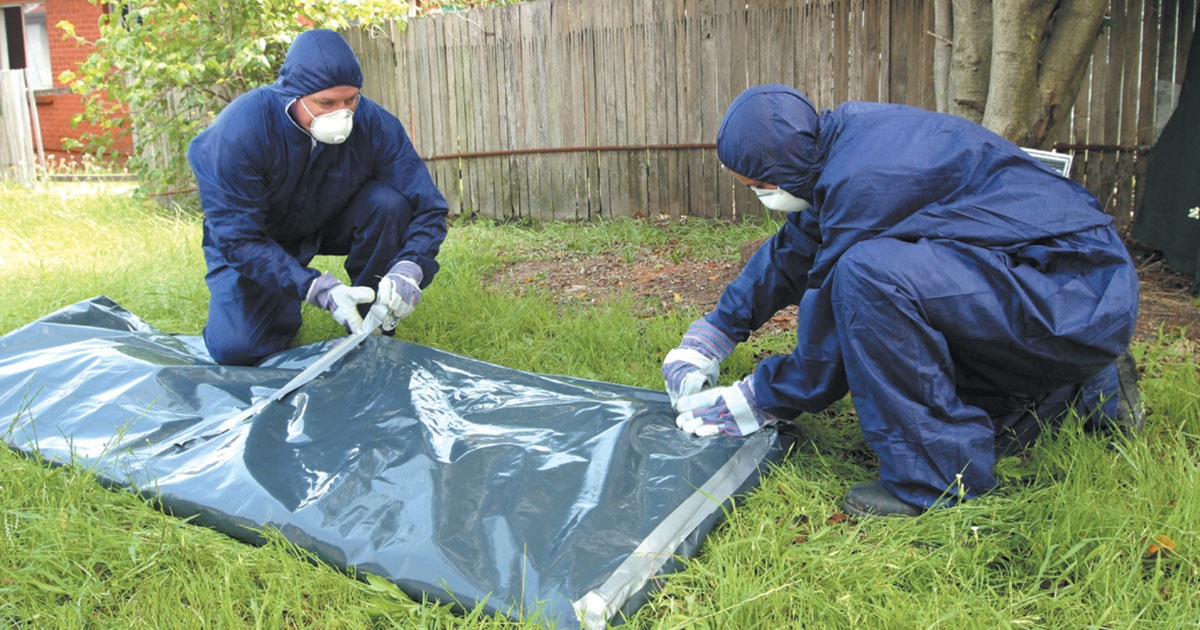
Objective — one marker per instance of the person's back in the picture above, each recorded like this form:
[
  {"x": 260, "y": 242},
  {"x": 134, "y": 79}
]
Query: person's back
[
  {"x": 954, "y": 174},
  {"x": 906, "y": 173}
]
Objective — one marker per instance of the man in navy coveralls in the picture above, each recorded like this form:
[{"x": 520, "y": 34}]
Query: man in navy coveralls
[
  {"x": 962, "y": 292},
  {"x": 308, "y": 166}
]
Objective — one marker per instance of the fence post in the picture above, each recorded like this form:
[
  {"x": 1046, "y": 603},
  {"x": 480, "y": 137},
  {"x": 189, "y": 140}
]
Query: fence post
[{"x": 16, "y": 140}]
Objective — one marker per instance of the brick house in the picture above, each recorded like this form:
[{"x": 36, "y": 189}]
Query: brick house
[{"x": 30, "y": 39}]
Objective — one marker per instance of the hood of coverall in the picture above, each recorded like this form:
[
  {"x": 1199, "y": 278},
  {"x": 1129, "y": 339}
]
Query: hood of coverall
[
  {"x": 318, "y": 60},
  {"x": 770, "y": 133}
]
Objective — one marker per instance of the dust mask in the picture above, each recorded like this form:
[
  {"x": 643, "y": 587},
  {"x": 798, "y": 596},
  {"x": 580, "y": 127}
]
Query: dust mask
[
  {"x": 780, "y": 200},
  {"x": 331, "y": 128}
]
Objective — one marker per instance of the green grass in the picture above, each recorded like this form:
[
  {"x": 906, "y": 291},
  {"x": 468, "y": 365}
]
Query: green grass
[{"x": 1061, "y": 544}]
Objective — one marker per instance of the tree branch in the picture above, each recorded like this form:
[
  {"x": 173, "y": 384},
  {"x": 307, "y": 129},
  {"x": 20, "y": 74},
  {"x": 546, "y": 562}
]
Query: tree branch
[{"x": 1076, "y": 27}]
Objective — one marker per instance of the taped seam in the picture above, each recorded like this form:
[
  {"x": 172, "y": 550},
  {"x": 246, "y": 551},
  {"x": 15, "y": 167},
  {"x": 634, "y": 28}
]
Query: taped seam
[{"x": 596, "y": 607}]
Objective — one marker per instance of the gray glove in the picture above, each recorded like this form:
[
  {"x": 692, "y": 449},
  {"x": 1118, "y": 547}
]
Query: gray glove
[
  {"x": 340, "y": 300},
  {"x": 399, "y": 294},
  {"x": 730, "y": 410},
  {"x": 696, "y": 363}
]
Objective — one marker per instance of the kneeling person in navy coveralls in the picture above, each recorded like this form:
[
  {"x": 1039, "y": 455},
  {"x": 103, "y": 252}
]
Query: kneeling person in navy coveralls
[
  {"x": 308, "y": 166},
  {"x": 963, "y": 293}
]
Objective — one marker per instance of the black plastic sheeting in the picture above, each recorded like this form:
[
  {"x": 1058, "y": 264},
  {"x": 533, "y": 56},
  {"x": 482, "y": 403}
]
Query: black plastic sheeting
[{"x": 458, "y": 480}]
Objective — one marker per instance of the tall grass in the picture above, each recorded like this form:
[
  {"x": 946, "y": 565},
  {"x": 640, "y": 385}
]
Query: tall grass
[
  {"x": 1065, "y": 542},
  {"x": 73, "y": 242}
]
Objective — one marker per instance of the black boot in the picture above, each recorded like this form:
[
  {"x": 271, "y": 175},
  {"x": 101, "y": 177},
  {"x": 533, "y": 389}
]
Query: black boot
[
  {"x": 871, "y": 499},
  {"x": 1131, "y": 413}
]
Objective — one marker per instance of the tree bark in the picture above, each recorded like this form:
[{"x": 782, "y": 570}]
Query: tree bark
[
  {"x": 943, "y": 32},
  {"x": 970, "y": 61},
  {"x": 1072, "y": 38},
  {"x": 1016, "y": 65},
  {"x": 1018, "y": 30}
]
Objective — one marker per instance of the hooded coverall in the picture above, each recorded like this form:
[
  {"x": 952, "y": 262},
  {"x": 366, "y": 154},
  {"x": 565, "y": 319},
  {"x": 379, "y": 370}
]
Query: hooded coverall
[
  {"x": 944, "y": 278},
  {"x": 273, "y": 198}
]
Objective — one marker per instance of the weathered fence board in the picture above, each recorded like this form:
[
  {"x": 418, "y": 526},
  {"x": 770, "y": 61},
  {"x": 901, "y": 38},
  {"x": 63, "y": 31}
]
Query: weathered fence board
[
  {"x": 1147, "y": 87},
  {"x": 1125, "y": 49},
  {"x": 561, "y": 109},
  {"x": 17, "y": 159}
]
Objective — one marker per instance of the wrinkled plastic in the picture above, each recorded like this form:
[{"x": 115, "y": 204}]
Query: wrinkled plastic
[{"x": 458, "y": 480}]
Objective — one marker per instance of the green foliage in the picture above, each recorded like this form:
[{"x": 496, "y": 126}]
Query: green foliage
[{"x": 162, "y": 69}]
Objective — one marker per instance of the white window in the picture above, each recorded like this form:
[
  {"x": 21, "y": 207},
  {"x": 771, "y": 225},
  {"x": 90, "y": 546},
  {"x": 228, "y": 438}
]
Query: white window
[
  {"x": 25, "y": 42},
  {"x": 37, "y": 46}
]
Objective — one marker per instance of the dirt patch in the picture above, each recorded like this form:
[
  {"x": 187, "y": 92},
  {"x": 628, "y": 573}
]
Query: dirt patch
[
  {"x": 653, "y": 277},
  {"x": 1165, "y": 302},
  {"x": 663, "y": 284}
]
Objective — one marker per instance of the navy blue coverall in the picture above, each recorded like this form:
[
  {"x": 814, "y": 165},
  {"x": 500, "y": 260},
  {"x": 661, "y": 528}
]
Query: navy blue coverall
[
  {"x": 945, "y": 279},
  {"x": 273, "y": 198}
]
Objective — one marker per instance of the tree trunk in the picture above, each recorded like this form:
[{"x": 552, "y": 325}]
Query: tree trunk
[
  {"x": 970, "y": 62},
  {"x": 1018, "y": 30},
  {"x": 943, "y": 31},
  {"x": 1073, "y": 33},
  {"x": 1016, "y": 65}
]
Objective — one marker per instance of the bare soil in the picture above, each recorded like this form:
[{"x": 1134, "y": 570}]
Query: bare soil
[{"x": 663, "y": 285}]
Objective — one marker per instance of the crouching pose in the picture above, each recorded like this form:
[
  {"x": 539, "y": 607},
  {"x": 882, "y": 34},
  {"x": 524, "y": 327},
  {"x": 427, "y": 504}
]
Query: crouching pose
[
  {"x": 308, "y": 166},
  {"x": 963, "y": 293}
]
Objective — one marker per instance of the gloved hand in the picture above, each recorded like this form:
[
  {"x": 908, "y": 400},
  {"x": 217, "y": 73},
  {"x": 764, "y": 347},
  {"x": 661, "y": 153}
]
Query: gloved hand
[
  {"x": 399, "y": 293},
  {"x": 729, "y": 410},
  {"x": 696, "y": 363},
  {"x": 340, "y": 300}
]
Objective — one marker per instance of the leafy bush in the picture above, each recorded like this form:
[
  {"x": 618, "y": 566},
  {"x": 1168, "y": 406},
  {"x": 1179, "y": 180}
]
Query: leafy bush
[{"x": 162, "y": 70}]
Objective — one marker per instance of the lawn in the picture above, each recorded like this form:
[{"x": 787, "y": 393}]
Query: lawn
[{"x": 1085, "y": 531}]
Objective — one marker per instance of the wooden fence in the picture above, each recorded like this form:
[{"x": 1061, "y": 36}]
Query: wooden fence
[
  {"x": 575, "y": 110},
  {"x": 1127, "y": 97},
  {"x": 17, "y": 162}
]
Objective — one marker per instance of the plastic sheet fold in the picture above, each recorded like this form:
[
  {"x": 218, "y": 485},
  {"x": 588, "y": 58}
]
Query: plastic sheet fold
[{"x": 541, "y": 496}]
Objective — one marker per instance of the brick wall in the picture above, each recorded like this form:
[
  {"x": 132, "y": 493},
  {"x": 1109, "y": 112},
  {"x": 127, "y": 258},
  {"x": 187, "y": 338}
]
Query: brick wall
[{"x": 56, "y": 106}]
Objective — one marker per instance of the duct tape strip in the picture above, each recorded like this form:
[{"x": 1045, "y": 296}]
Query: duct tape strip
[
  {"x": 314, "y": 369},
  {"x": 597, "y": 606},
  {"x": 743, "y": 415}
]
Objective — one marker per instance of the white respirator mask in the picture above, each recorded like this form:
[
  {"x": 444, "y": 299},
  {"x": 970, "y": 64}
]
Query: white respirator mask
[
  {"x": 331, "y": 128},
  {"x": 780, "y": 200}
]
